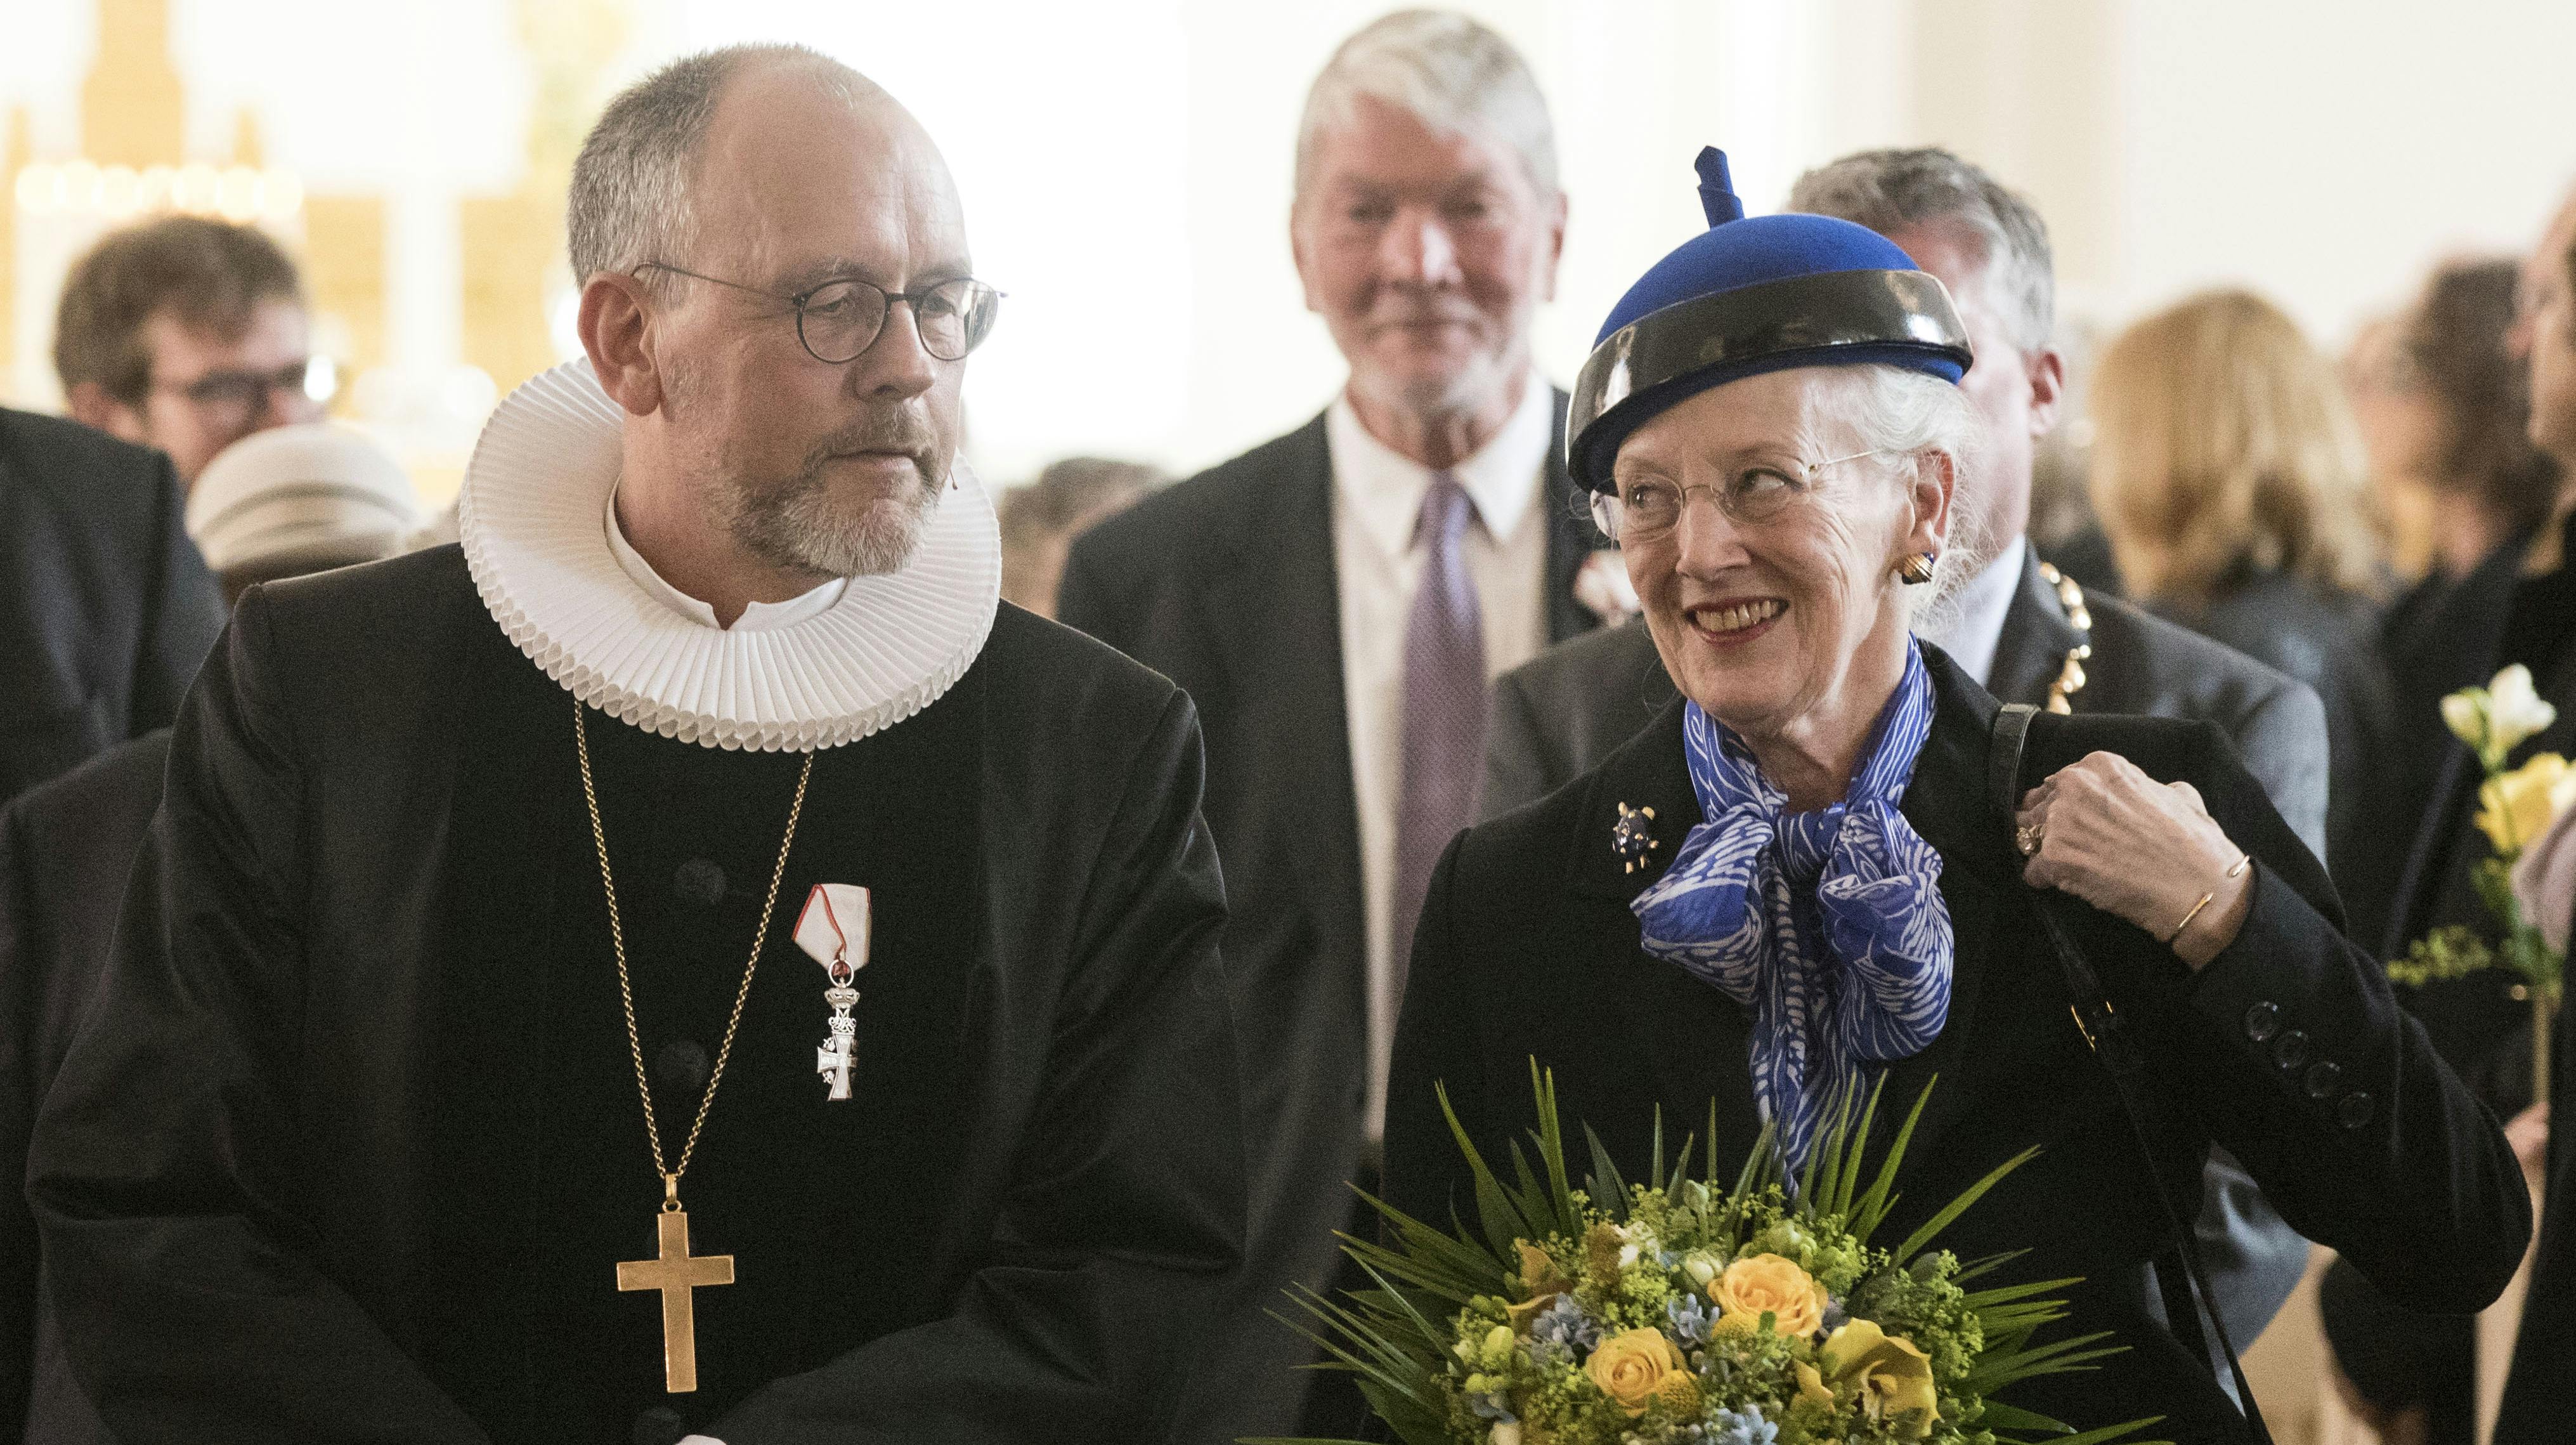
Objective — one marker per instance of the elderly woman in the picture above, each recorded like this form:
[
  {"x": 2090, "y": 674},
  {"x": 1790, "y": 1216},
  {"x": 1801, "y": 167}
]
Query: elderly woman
[{"x": 1796, "y": 876}]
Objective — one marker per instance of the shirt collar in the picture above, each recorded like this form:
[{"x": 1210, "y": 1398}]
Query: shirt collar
[
  {"x": 1382, "y": 488},
  {"x": 1976, "y": 628},
  {"x": 758, "y": 617}
]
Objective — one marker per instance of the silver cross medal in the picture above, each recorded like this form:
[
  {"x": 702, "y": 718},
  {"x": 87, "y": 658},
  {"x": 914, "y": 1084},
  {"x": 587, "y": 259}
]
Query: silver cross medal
[{"x": 833, "y": 929}]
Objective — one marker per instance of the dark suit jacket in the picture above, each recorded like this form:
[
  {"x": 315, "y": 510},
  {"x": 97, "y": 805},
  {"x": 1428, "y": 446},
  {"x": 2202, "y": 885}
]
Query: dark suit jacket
[
  {"x": 66, "y": 847},
  {"x": 2439, "y": 637},
  {"x": 105, "y": 607},
  {"x": 1225, "y": 584},
  {"x": 2496, "y": 616},
  {"x": 1527, "y": 948},
  {"x": 2535, "y": 1393},
  {"x": 2325, "y": 638},
  {"x": 300, "y": 1106}
]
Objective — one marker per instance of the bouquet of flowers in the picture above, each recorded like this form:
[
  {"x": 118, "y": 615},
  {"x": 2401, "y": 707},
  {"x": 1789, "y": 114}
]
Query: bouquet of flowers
[
  {"x": 2515, "y": 807},
  {"x": 1680, "y": 1310}
]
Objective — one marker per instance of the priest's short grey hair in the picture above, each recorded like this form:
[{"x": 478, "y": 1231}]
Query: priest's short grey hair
[
  {"x": 629, "y": 202},
  {"x": 1446, "y": 70},
  {"x": 1888, "y": 190},
  {"x": 1908, "y": 416}
]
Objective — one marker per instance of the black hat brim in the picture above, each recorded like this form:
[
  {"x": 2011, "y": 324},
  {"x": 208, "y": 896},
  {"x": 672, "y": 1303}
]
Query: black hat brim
[{"x": 1831, "y": 318}]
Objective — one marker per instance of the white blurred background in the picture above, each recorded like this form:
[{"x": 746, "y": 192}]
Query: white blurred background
[{"x": 1126, "y": 163}]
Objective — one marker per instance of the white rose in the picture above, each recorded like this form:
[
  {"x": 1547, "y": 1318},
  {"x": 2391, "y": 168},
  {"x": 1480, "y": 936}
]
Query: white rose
[{"x": 2515, "y": 710}]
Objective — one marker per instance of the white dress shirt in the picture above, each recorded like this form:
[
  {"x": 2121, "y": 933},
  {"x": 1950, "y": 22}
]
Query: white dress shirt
[
  {"x": 1977, "y": 624},
  {"x": 758, "y": 617},
  {"x": 1377, "y": 495}
]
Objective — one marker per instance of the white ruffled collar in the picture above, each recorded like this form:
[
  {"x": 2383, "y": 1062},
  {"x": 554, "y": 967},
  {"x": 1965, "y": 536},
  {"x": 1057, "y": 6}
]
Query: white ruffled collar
[{"x": 531, "y": 518}]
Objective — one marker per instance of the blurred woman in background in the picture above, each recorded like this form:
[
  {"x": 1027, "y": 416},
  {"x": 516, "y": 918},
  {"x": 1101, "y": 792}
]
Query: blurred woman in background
[
  {"x": 2449, "y": 417},
  {"x": 2227, "y": 471},
  {"x": 2446, "y": 415}
]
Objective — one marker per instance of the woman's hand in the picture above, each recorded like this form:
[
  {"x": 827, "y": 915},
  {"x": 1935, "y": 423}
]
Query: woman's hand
[{"x": 2136, "y": 848}]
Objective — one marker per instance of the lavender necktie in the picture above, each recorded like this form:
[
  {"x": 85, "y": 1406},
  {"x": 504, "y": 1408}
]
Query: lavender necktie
[{"x": 1444, "y": 713}]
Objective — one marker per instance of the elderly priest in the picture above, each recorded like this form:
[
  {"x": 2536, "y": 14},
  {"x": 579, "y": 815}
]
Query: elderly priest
[{"x": 687, "y": 961}]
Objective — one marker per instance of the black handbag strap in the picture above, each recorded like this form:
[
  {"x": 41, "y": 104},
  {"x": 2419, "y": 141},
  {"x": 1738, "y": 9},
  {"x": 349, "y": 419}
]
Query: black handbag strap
[{"x": 2186, "y": 1292}]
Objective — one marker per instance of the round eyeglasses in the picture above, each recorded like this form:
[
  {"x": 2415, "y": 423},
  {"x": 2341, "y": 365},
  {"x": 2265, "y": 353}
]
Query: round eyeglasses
[
  {"x": 840, "y": 319},
  {"x": 1752, "y": 496}
]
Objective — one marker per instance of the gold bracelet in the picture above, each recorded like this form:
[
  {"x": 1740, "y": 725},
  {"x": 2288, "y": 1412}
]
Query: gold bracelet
[
  {"x": 2237, "y": 870},
  {"x": 2188, "y": 917}
]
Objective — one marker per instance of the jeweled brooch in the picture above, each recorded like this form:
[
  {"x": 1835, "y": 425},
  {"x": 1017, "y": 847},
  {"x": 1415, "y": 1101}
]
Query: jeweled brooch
[{"x": 1632, "y": 837}]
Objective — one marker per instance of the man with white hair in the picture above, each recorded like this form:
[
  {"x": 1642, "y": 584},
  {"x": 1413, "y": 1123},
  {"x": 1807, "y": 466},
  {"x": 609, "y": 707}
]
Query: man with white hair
[
  {"x": 1337, "y": 600},
  {"x": 687, "y": 962}
]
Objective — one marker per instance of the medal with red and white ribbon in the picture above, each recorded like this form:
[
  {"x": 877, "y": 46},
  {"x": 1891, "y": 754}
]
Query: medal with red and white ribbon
[{"x": 833, "y": 930}]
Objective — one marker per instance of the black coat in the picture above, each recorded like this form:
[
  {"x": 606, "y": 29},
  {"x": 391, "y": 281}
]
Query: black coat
[
  {"x": 66, "y": 847},
  {"x": 1528, "y": 948},
  {"x": 2535, "y": 1392},
  {"x": 325, "y": 1159},
  {"x": 1225, "y": 584},
  {"x": 105, "y": 607},
  {"x": 2328, "y": 639},
  {"x": 2496, "y": 616}
]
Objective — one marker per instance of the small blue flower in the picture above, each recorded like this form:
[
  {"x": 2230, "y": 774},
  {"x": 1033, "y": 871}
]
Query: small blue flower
[
  {"x": 1741, "y": 1427},
  {"x": 1564, "y": 1325},
  {"x": 1489, "y": 1405},
  {"x": 1835, "y": 1315},
  {"x": 1689, "y": 1319}
]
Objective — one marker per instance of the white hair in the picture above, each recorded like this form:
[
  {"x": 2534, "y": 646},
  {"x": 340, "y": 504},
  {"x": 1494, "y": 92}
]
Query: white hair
[
  {"x": 1890, "y": 190},
  {"x": 1910, "y": 417},
  {"x": 629, "y": 200},
  {"x": 1444, "y": 69}
]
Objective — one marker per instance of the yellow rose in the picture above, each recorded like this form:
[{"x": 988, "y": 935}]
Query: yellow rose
[
  {"x": 1892, "y": 1378},
  {"x": 1631, "y": 1365},
  {"x": 1768, "y": 1282},
  {"x": 2515, "y": 809}
]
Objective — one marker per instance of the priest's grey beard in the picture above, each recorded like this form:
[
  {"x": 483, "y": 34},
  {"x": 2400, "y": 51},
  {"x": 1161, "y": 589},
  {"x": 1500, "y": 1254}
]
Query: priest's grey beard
[{"x": 802, "y": 522}]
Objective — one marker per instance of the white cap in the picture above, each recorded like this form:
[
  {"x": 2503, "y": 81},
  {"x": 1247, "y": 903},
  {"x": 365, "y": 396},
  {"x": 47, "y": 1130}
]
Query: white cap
[{"x": 319, "y": 493}]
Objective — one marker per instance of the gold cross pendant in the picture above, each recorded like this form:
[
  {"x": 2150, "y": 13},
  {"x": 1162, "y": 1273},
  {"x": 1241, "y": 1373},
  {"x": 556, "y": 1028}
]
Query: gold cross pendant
[{"x": 675, "y": 1273}]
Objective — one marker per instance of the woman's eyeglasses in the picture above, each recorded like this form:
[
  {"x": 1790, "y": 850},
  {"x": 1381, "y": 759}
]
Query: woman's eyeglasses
[
  {"x": 1648, "y": 507},
  {"x": 840, "y": 319}
]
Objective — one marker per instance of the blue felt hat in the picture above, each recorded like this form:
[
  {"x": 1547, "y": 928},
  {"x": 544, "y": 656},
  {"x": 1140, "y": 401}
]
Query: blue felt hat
[{"x": 1749, "y": 296}]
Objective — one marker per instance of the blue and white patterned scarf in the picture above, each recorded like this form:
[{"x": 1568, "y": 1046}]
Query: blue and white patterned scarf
[{"x": 1828, "y": 925}]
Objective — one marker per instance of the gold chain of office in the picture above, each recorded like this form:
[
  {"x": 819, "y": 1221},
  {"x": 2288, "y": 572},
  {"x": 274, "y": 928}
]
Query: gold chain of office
[
  {"x": 2070, "y": 678},
  {"x": 626, "y": 989}
]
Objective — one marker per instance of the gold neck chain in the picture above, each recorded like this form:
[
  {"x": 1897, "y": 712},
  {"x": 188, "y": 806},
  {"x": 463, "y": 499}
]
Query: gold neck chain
[
  {"x": 2070, "y": 678},
  {"x": 626, "y": 989}
]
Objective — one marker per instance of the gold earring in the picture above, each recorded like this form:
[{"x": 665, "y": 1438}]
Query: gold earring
[{"x": 1916, "y": 569}]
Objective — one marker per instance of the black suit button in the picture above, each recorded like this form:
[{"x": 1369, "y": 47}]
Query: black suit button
[
  {"x": 2354, "y": 1111},
  {"x": 2262, "y": 1021},
  {"x": 680, "y": 1067},
  {"x": 2324, "y": 1076},
  {"x": 700, "y": 882},
  {"x": 2290, "y": 1050},
  {"x": 660, "y": 1425}
]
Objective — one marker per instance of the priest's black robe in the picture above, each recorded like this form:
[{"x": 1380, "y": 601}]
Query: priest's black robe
[{"x": 350, "y": 1143}]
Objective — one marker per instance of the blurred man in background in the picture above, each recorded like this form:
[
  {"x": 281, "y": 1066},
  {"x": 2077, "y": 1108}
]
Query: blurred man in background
[
  {"x": 1040, "y": 521},
  {"x": 187, "y": 334},
  {"x": 1336, "y": 600},
  {"x": 105, "y": 607},
  {"x": 279, "y": 504}
]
